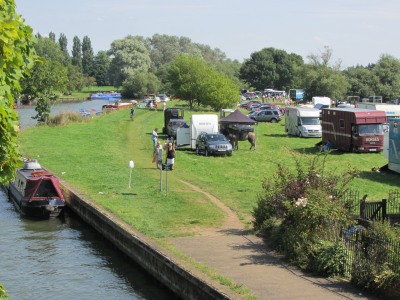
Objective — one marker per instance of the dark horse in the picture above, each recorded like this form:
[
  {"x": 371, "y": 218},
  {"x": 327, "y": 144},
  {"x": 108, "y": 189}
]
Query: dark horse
[{"x": 233, "y": 139}]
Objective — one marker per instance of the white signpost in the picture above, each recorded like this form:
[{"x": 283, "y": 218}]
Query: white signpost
[{"x": 131, "y": 166}]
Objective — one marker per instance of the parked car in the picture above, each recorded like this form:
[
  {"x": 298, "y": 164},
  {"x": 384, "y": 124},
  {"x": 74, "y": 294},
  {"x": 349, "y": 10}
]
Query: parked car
[
  {"x": 173, "y": 126},
  {"x": 213, "y": 144},
  {"x": 268, "y": 115},
  {"x": 252, "y": 102}
]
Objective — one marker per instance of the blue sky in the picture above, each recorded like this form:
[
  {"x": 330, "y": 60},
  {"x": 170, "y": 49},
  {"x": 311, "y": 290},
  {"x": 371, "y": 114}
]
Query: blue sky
[{"x": 358, "y": 31}]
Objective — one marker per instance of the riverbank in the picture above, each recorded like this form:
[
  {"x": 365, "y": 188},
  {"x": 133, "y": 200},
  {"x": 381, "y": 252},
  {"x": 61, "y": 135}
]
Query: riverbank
[{"x": 95, "y": 157}]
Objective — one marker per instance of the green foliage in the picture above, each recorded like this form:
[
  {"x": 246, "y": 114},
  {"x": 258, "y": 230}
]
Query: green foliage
[
  {"x": 330, "y": 258},
  {"x": 3, "y": 292},
  {"x": 87, "y": 56},
  {"x": 304, "y": 206},
  {"x": 129, "y": 55},
  {"x": 374, "y": 267},
  {"x": 16, "y": 58},
  {"x": 271, "y": 68},
  {"x": 193, "y": 79},
  {"x": 139, "y": 84}
]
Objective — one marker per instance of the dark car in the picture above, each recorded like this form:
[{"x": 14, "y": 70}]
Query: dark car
[
  {"x": 268, "y": 115},
  {"x": 213, "y": 144},
  {"x": 173, "y": 126}
]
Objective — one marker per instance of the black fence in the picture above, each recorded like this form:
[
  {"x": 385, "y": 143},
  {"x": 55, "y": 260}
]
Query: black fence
[
  {"x": 363, "y": 249},
  {"x": 393, "y": 202}
]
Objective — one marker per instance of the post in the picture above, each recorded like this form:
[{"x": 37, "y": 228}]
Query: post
[
  {"x": 161, "y": 179},
  {"x": 131, "y": 166}
]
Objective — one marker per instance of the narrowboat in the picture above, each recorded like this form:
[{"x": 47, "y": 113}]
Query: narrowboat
[{"x": 36, "y": 192}]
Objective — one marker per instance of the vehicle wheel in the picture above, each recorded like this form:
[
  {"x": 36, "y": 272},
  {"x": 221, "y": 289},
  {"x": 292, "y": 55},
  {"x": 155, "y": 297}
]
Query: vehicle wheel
[
  {"x": 229, "y": 153},
  {"x": 206, "y": 152},
  {"x": 273, "y": 121}
]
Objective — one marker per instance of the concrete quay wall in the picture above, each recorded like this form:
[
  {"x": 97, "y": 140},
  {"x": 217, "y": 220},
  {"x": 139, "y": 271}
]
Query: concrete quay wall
[{"x": 184, "y": 280}]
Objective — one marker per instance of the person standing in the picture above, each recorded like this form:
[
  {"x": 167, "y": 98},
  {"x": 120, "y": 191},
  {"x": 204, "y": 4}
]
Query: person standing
[
  {"x": 171, "y": 155},
  {"x": 164, "y": 105},
  {"x": 158, "y": 155},
  {"x": 154, "y": 136}
]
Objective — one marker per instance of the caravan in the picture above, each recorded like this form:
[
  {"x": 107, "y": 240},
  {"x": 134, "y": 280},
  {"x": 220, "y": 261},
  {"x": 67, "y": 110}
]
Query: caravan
[
  {"x": 302, "y": 121},
  {"x": 199, "y": 123}
]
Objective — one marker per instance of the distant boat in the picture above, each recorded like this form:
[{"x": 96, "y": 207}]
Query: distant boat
[
  {"x": 36, "y": 192},
  {"x": 105, "y": 96}
]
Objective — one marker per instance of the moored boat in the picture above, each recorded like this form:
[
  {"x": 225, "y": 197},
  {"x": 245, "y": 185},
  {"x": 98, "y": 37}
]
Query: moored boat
[
  {"x": 105, "y": 96},
  {"x": 36, "y": 192}
]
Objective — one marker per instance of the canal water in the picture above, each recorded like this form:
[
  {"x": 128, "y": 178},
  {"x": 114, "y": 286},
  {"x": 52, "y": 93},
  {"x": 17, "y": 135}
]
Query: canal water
[{"x": 64, "y": 258}]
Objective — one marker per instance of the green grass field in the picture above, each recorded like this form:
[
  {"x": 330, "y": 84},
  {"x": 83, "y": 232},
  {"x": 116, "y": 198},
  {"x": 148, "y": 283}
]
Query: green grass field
[{"x": 94, "y": 157}]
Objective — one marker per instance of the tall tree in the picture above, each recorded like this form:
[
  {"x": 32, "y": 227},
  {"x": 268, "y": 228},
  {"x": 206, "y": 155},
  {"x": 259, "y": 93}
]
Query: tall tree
[
  {"x": 87, "y": 56},
  {"x": 17, "y": 57},
  {"x": 63, "y": 41},
  {"x": 52, "y": 36},
  {"x": 129, "y": 55},
  {"x": 271, "y": 68},
  {"x": 387, "y": 69},
  {"x": 100, "y": 68},
  {"x": 77, "y": 53},
  {"x": 194, "y": 80},
  {"x": 321, "y": 78}
]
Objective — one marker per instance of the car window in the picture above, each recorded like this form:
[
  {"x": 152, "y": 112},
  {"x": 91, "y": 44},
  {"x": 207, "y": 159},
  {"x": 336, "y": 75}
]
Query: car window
[
  {"x": 268, "y": 112},
  {"x": 275, "y": 112}
]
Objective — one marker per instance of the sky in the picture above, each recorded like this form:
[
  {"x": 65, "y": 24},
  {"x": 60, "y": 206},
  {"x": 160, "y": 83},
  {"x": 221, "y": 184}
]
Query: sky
[{"x": 357, "y": 31}]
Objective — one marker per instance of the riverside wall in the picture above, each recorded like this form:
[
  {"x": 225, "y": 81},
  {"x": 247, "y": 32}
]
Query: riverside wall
[{"x": 183, "y": 279}]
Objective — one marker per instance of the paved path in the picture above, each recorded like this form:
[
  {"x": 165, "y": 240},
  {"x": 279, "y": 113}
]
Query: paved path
[{"x": 243, "y": 257}]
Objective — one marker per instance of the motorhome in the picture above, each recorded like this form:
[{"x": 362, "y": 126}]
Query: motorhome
[
  {"x": 199, "y": 123},
  {"x": 353, "y": 129},
  {"x": 302, "y": 121}
]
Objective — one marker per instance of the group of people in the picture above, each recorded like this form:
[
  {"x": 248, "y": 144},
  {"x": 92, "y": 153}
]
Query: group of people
[{"x": 159, "y": 150}]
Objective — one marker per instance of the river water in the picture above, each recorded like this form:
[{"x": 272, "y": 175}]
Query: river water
[{"x": 64, "y": 258}]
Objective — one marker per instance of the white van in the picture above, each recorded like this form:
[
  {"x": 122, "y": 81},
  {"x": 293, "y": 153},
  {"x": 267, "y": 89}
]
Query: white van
[{"x": 303, "y": 122}]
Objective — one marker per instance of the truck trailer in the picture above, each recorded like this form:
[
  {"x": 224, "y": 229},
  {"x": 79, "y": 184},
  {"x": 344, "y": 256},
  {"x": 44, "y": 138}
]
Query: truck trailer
[
  {"x": 353, "y": 129},
  {"x": 199, "y": 123},
  {"x": 302, "y": 121}
]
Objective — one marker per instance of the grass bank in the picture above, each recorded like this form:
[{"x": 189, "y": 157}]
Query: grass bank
[{"x": 95, "y": 157}]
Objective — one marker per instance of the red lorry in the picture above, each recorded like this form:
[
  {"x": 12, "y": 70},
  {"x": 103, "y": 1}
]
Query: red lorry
[{"x": 353, "y": 129}]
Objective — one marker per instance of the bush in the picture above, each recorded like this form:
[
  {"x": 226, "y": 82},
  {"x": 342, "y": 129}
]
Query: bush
[
  {"x": 299, "y": 209},
  {"x": 3, "y": 292},
  {"x": 376, "y": 263},
  {"x": 330, "y": 258}
]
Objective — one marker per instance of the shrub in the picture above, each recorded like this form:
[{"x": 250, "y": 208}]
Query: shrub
[
  {"x": 330, "y": 258},
  {"x": 299, "y": 209},
  {"x": 3, "y": 292},
  {"x": 376, "y": 263}
]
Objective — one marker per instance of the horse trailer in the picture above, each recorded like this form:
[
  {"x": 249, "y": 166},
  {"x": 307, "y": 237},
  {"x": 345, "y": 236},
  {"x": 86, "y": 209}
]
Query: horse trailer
[{"x": 353, "y": 129}]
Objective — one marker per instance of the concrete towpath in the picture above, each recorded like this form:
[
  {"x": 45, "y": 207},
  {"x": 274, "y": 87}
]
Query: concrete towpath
[{"x": 237, "y": 254}]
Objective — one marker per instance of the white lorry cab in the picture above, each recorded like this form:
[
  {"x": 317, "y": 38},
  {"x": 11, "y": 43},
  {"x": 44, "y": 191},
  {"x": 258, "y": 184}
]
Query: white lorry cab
[
  {"x": 303, "y": 122},
  {"x": 199, "y": 123}
]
